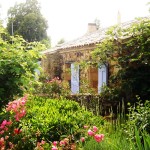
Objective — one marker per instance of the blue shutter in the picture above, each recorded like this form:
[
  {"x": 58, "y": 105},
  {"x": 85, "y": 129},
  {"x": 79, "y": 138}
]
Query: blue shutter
[
  {"x": 102, "y": 77},
  {"x": 74, "y": 78}
]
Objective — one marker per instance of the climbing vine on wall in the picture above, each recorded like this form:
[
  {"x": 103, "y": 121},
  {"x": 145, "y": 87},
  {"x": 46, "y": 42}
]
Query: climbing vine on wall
[{"x": 127, "y": 48}]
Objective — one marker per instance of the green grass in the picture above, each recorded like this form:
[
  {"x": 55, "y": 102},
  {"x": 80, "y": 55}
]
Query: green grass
[
  {"x": 118, "y": 140},
  {"x": 114, "y": 140}
]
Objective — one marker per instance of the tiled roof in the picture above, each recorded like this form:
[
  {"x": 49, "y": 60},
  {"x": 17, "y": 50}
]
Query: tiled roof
[{"x": 87, "y": 39}]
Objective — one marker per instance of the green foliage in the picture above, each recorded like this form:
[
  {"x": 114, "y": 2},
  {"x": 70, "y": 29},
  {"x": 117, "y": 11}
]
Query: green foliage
[
  {"x": 112, "y": 141},
  {"x": 18, "y": 61},
  {"x": 118, "y": 140},
  {"x": 139, "y": 117},
  {"x": 61, "y": 41},
  {"x": 126, "y": 50},
  {"x": 54, "y": 119},
  {"x": 10, "y": 129},
  {"x": 27, "y": 21},
  {"x": 133, "y": 134},
  {"x": 46, "y": 42},
  {"x": 51, "y": 88}
]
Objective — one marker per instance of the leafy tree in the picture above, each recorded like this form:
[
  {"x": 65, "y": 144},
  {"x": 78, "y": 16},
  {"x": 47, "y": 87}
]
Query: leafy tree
[
  {"x": 26, "y": 19},
  {"x": 127, "y": 49},
  {"x": 47, "y": 42},
  {"x": 18, "y": 61},
  {"x": 61, "y": 41}
]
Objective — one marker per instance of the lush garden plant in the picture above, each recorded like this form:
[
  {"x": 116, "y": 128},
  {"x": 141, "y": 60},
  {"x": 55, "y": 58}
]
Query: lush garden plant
[
  {"x": 37, "y": 122},
  {"x": 132, "y": 134},
  {"x": 52, "y": 88},
  {"x": 139, "y": 118},
  {"x": 54, "y": 118},
  {"x": 41, "y": 123},
  {"x": 18, "y": 61},
  {"x": 126, "y": 48}
]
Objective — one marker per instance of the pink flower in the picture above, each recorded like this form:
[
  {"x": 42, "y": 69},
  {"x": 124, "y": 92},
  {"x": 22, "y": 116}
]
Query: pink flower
[
  {"x": 9, "y": 122},
  {"x": 4, "y": 122},
  {"x": 23, "y": 100},
  {"x": 66, "y": 140},
  {"x": 90, "y": 132},
  {"x": 42, "y": 142},
  {"x": 6, "y": 137},
  {"x": 82, "y": 139},
  {"x": 2, "y": 141},
  {"x": 17, "y": 131},
  {"x": 85, "y": 127},
  {"x": 54, "y": 143},
  {"x": 98, "y": 137},
  {"x": 2, "y": 127},
  {"x": 54, "y": 148},
  {"x": 5, "y": 129},
  {"x": 1, "y": 132},
  {"x": 20, "y": 114},
  {"x": 95, "y": 129},
  {"x": 62, "y": 143}
]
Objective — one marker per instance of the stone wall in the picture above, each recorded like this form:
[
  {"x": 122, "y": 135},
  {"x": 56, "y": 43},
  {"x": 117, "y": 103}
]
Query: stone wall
[
  {"x": 59, "y": 64},
  {"x": 52, "y": 65},
  {"x": 79, "y": 55}
]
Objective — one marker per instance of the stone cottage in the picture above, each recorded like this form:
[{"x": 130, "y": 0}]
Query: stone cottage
[{"x": 64, "y": 61}]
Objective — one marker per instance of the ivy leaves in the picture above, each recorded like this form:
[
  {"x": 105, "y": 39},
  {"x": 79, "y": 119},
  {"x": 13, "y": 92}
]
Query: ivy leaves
[{"x": 127, "y": 47}]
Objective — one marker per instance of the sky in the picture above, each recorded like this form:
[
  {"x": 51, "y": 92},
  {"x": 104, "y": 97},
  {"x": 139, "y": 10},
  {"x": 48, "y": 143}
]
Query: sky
[{"x": 68, "y": 19}]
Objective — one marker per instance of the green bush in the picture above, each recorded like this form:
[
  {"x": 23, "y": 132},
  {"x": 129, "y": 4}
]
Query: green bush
[
  {"x": 52, "y": 88},
  {"x": 139, "y": 117},
  {"x": 18, "y": 61},
  {"x": 52, "y": 119},
  {"x": 129, "y": 57}
]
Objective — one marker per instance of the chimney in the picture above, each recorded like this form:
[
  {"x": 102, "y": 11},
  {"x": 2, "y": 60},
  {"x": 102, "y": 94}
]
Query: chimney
[{"x": 92, "y": 27}]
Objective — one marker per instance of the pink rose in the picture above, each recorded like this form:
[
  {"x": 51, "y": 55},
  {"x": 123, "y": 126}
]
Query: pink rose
[
  {"x": 42, "y": 142},
  {"x": 85, "y": 127},
  {"x": 1, "y": 132},
  {"x": 90, "y": 132},
  {"x": 4, "y": 122},
  {"x": 54, "y": 143},
  {"x": 54, "y": 148},
  {"x": 95, "y": 129},
  {"x": 62, "y": 143},
  {"x": 82, "y": 139},
  {"x": 98, "y": 137},
  {"x": 9, "y": 122}
]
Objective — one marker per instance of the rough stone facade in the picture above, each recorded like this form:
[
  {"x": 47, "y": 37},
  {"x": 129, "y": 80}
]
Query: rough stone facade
[
  {"x": 52, "y": 65},
  {"x": 58, "y": 61},
  {"x": 87, "y": 75}
]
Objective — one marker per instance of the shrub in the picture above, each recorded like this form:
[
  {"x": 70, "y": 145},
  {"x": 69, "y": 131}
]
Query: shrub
[
  {"x": 11, "y": 135},
  {"x": 52, "y": 88},
  {"x": 18, "y": 61},
  {"x": 36, "y": 122},
  {"x": 139, "y": 117},
  {"x": 52, "y": 119}
]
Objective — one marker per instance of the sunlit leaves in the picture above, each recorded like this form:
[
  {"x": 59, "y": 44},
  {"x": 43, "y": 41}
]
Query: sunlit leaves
[
  {"x": 127, "y": 47},
  {"x": 17, "y": 66}
]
